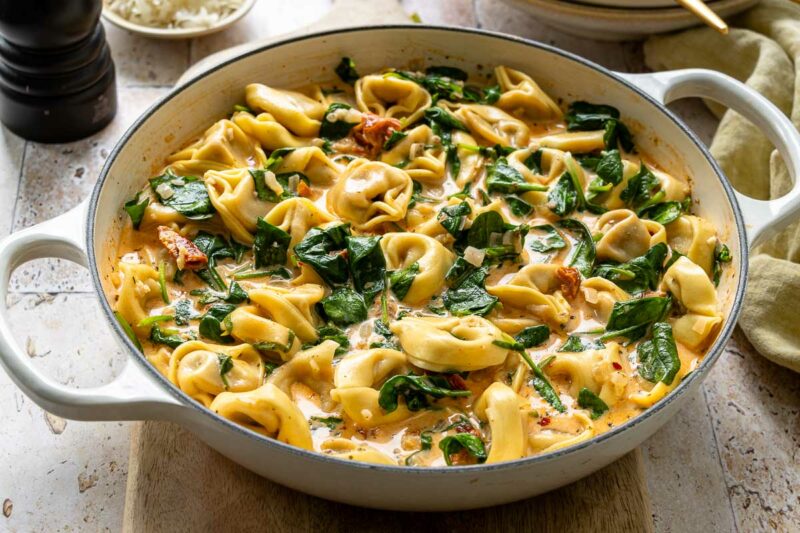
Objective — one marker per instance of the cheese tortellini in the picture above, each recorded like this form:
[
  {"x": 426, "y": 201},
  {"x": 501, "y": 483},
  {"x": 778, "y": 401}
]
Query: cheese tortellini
[
  {"x": 402, "y": 250},
  {"x": 370, "y": 193},
  {"x": 420, "y": 267},
  {"x": 454, "y": 344}
]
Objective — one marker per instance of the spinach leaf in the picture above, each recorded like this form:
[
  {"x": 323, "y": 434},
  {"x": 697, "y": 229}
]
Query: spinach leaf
[
  {"x": 489, "y": 232},
  {"x": 279, "y": 272},
  {"x": 211, "y": 325},
  {"x": 551, "y": 241},
  {"x": 674, "y": 256},
  {"x": 505, "y": 179},
  {"x": 331, "y": 332},
  {"x": 609, "y": 167},
  {"x": 276, "y": 158},
  {"x": 416, "y": 390},
  {"x": 225, "y": 366},
  {"x": 640, "y": 188},
  {"x": 589, "y": 400},
  {"x": 270, "y": 347},
  {"x": 168, "y": 337},
  {"x": 187, "y": 195},
  {"x": 135, "y": 209},
  {"x": 323, "y": 249},
  {"x": 439, "y": 87},
  {"x": 469, "y": 297},
  {"x": 401, "y": 280},
  {"x": 367, "y": 265},
  {"x": 425, "y": 444},
  {"x": 344, "y": 306},
  {"x": 453, "y": 217},
  {"x": 534, "y": 161},
  {"x": 346, "y": 70},
  {"x": 658, "y": 357},
  {"x": 442, "y": 120},
  {"x": 563, "y": 197},
  {"x": 236, "y": 295},
  {"x": 583, "y": 251},
  {"x": 663, "y": 213},
  {"x": 458, "y": 272},
  {"x": 617, "y": 134},
  {"x": 542, "y": 385},
  {"x": 638, "y": 275},
  {"x": 518, "y": 206},
  {"x": 585, "y": 116},
  {"x": 722, "y": 255},
  {"x": 270, "y": 244},
  {"x": 633, "y": 318},
  {"x": 264, "y": 193},
  {"x": 533, "y": 336},
  {"x": 484, "y": 226},
  {"x": 332, "y": 128},
  {"x": 393, "y": 139},
  {"x": 576, "y": 343},
  {"x": 184, "y": 312},
  {"x": 462, "y": 441},
  {"x": 216, "y": 247}
]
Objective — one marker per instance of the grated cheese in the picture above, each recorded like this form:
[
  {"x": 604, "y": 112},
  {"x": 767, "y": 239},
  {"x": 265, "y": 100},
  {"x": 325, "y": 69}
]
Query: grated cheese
[{"x": 174, "y": 13}]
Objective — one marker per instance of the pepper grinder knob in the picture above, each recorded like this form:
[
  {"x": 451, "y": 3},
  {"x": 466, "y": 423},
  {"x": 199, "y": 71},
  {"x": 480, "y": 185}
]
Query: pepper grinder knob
[{"x": 57, "y": 81}]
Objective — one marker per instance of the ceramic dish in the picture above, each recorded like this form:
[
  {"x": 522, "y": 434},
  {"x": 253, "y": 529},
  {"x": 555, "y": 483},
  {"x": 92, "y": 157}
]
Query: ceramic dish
[
  {"x": 177, "y": 33},
  {"x": 87, "y": 235},
  {"x": 619, "y": 24}
]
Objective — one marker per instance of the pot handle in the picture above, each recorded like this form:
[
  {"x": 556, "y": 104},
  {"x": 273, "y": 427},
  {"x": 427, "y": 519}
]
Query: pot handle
[
  {"x": 762, "y": 218},
  {"x": 132, "y": 395}
]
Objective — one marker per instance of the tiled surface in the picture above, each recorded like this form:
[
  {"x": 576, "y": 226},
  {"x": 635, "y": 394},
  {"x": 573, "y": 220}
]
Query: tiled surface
[{"x": 729, "y": 461}]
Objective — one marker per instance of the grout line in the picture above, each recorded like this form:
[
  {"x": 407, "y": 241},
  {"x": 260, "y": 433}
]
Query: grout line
[
  {"x": 20, "y": 176},
  {"x": 478, "y": 22},
  {"x": 719, "y": 458}
]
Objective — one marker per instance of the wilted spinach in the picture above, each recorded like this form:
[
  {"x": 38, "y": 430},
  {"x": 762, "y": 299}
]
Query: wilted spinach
[
  {"x": 168, "y": 337},
  {"x": 551, "y": 241},
  {"x": 576, "y": 343},
  {"x": 367, "y": 265},
  {"x": 270, "y": 244},
  {"x": 346, "y": 70},
  {"x": 402, "y": 279},
  {"x": 469, "y": 296},
  {"x": 505, "y": 179},
  {"x": 583, "y": 251},
  {"x": 344, "y": 306},
  {"x": 415, "y": 390},
  {"x": 324, "y": 251},
  {"x": 335, "y": 129},
  {"x": 633, "y": 318},
  {"x": 453, "y": 217},
  {"x": 721, "y": 255},
  {"x": 188, "y": 195},
  {"x": 591, "y": 401},
  {"x": 211, "y": 325},
  {"x": 638, "y": 275},
  {"x": 136, "y": 208},
  {"x": 658, "y": 357},
  {"x": 462, "y": 441}
]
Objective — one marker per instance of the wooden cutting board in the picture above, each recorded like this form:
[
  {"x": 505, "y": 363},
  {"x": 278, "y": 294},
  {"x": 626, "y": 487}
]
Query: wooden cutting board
[{"x": 177, "y": 483}]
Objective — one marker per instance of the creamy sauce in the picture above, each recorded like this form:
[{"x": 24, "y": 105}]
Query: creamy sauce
[{"x": 544, "y": 427}]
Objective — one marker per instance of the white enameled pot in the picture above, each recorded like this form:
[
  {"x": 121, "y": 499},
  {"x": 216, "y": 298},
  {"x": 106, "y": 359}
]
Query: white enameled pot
[{"x": 88, "y": 234}]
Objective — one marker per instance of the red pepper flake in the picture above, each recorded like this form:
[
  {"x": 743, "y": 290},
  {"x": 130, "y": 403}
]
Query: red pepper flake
[
  {"x": 544, "y": 421},
  {"x": 616, "y": 365}
]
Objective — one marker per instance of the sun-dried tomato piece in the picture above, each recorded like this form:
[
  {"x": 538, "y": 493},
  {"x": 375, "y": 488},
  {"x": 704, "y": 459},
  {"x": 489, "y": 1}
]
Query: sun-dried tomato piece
[
  {"x": 456, "y": 382},
  {"x": 303, "y": 189},
  {"x": 570, "y": 280},
  {"x": 373, "y": 131},
  {"x": 185, "y": 253}
]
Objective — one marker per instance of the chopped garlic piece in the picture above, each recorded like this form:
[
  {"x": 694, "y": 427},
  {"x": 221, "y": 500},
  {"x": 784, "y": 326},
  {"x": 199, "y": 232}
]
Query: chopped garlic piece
[{"x": 474, "y": 256}]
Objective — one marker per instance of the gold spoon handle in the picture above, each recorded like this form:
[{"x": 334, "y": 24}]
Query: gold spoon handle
[{"x": 704, "y": 13}]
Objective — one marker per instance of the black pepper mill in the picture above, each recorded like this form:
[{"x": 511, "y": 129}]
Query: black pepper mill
[{"x": 56, "y": 72}]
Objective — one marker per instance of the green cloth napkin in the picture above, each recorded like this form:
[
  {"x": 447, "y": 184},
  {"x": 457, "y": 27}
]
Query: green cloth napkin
[{"x": 762, "y": 50}]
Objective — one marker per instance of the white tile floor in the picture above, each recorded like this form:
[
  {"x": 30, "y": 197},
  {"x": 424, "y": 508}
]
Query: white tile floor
[{"x": 728, "y": 462}]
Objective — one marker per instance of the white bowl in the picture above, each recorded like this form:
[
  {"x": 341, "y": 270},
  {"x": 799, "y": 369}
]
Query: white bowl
[
  {"x": 619, "y": 24},
  {"x": 177, "y": 33},
  {"x": 632, "y": 4}
]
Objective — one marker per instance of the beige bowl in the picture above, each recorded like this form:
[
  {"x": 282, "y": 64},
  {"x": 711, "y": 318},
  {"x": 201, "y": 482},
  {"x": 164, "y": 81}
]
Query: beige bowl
[
  {"x": 619, "y": 24},
  {"x": 177, "y": 33}
]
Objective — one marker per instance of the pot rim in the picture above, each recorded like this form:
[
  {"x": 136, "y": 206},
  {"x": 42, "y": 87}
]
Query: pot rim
[{"x": 711, "y": 356}]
